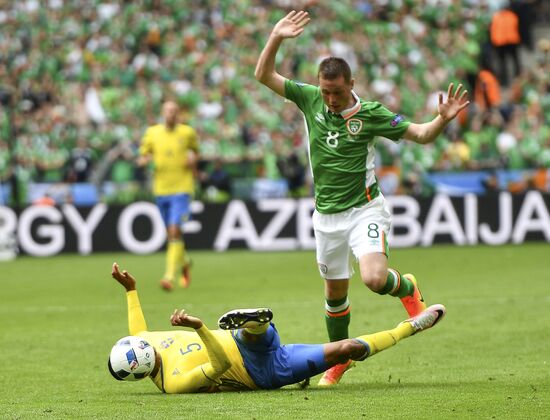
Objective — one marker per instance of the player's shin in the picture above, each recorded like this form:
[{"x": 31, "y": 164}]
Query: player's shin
[
  {"x": 174, "y": 256},
  {"x": 337, "y": 318},
  {"x": 397, "y": 285},
  {"x": 383, "y": 340},
  {"x": 185, "y": 264}
]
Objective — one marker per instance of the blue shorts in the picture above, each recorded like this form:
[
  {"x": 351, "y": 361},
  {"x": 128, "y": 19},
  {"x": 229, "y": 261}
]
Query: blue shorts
[
  {"x": 174, "y": 209},
  {"x": 272, "y": 365}
]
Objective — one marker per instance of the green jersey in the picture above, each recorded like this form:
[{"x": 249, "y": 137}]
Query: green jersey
[{"x": 341, "y": 146}]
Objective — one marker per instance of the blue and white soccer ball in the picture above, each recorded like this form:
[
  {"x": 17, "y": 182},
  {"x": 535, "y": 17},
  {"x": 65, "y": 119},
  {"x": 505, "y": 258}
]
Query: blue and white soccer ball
[{"x": 131, "y": 359}]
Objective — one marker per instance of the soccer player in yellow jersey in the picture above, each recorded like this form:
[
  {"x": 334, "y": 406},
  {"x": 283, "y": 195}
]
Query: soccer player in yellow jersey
[
  {"x": 245, "y": 353},
  {"x": 173, "y": 150}
]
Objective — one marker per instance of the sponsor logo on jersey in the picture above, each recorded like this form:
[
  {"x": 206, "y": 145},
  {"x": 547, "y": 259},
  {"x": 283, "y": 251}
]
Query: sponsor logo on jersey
[
  {"x": 354, "y": 125},
  {"x": 396, "y": 120},
  {"x": 320, "y": 117},
  {"x": 300, "y": 84}
]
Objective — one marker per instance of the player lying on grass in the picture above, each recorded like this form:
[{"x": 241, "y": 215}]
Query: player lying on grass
[{"x": 245, "y": 353}]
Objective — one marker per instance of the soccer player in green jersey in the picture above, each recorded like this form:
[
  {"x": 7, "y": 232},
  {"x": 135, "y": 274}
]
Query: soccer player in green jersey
[{"x": 350, "y": 211}]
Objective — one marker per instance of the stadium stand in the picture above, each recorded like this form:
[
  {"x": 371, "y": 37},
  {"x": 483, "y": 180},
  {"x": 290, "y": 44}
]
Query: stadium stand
[{"x": 81, "y": 80}]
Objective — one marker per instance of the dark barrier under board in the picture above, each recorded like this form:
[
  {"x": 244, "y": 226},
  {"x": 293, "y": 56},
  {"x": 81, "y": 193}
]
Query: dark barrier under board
[{"x": 274, "y": 224}]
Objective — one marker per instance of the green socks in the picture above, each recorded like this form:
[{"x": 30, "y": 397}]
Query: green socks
[
  {"x": 337, "y": 317},
  {"x": 397, "y": 285}
]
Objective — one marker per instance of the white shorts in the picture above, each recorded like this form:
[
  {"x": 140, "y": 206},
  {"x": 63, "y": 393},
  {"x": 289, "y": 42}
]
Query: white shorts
[{"x": 364, "y": 230}]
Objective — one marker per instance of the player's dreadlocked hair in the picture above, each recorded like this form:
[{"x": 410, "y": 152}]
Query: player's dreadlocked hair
[{"x": 333, "y": 67}]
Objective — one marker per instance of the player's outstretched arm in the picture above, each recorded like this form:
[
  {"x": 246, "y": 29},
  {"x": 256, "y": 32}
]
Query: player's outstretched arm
[
  {"x": 136, "y": 320},
  {"x": 180, "y": 318},
  {"x": 447, "y": 111},
  {"x": 455, "y": 102},
  {"x": 205, "y": 376},
  {"x": 290, "y": 26},
  {"x": 123, "y": 277}
]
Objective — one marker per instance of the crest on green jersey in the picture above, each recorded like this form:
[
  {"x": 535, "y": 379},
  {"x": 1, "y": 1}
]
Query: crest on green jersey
[{"x": 354, "y": 125}]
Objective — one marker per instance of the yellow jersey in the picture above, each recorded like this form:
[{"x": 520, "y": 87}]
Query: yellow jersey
[
  {"x": 169, "y": 150},
  {"x": 192, "y": 361}
]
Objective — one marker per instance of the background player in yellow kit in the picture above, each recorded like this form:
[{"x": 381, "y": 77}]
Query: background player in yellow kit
[
  {"x": 250, "y": 355},
  {"x": 173, "y": 149}
]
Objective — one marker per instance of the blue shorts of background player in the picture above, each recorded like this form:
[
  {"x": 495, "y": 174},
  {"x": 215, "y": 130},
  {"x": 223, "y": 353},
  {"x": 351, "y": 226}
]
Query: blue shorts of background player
[
  {"x": 174, "y": 209},
  {"x": 272, "y": 365}
]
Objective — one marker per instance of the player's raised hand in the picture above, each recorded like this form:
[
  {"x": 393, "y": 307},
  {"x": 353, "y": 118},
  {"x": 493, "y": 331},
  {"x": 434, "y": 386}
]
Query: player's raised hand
[
  {"x": 180, "y": 318},
  {"x": 291, "y": 25},
  {"x": 455, "y": 102},
  {"x": 123, "y": 277}
]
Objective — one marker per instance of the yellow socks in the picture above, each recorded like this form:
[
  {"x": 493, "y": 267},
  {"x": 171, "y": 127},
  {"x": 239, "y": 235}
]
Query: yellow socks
[
  {"x": 260, "y": 329},
  {"x": 386, "y": 339},
  {"x": 174, "y": 259}
]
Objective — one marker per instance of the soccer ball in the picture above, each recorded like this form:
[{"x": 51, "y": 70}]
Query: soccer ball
[{"x": 131, "y": 359}]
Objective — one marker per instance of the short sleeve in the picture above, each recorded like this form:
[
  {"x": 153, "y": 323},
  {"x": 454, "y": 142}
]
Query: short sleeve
[
  {"x": 387, "y": 124},
  {"x": 301, "y": 94}
]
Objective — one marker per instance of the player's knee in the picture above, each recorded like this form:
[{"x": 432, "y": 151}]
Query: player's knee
[{"x": 374, "y": 279}]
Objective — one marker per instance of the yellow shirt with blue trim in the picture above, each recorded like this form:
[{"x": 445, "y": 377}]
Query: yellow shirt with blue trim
[
  {"x": 192, "y": 361},
  {"x": 169, "y": 150}
]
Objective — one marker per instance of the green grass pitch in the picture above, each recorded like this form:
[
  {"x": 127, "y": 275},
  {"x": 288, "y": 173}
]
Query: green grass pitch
[{"x": 489, "y": 358}]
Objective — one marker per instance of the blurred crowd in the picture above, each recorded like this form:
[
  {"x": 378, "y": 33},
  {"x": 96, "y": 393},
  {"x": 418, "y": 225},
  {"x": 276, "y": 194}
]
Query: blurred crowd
[{"x": 80, "y": 80}]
